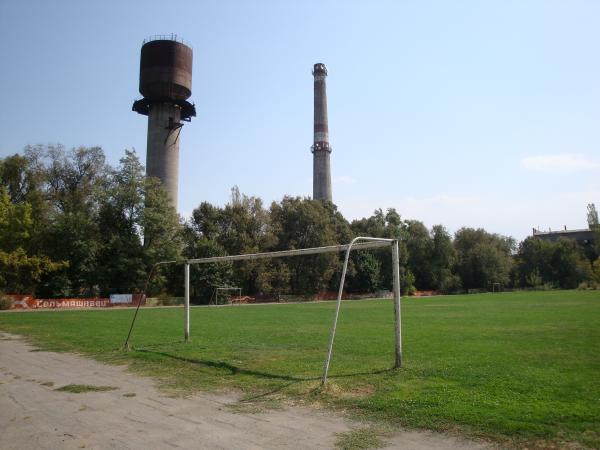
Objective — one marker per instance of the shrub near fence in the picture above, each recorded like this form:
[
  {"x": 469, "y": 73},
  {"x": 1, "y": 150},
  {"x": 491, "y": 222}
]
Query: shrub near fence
[{"x": 5, "y": 302}]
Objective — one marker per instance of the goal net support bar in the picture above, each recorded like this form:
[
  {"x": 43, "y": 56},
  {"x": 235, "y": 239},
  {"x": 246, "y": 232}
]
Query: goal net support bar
[{"x": 358, "y": 243}]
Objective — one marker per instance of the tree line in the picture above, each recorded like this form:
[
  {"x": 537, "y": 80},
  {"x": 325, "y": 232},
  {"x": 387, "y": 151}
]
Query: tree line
[{"x": 72, "y": 225}]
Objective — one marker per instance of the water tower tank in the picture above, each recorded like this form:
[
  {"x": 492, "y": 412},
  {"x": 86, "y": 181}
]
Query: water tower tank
[
  {"x": 166, "y": 70},
  {"x": 166, "y": 75}
]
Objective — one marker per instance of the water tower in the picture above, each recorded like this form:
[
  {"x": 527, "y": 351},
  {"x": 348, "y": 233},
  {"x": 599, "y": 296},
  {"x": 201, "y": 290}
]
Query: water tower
[{"x": 166, "y": 85}]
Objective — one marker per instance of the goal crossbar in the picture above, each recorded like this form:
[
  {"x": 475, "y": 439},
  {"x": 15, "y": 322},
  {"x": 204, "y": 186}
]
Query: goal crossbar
[{"x": 296, "y": 252}]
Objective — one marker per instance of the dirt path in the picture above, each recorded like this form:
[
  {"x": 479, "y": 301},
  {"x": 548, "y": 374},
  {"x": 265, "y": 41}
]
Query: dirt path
[{"x": 135, "y": 415}]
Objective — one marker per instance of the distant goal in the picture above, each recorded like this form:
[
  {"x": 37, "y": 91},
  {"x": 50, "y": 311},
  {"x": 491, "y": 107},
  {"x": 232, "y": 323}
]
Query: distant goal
[{"x": 226, "y": 295}]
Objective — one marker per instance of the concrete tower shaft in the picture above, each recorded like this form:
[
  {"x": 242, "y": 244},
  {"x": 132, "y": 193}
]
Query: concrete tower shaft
[
  {"x": 166, "y": 84},
  {"x": 321, "y": 149},
  {"x": 162, "y": 154}
]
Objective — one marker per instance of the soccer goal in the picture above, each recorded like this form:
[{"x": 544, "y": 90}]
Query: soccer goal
[
  {"x": 223, "y": 295},
  {"x": 358, "y": 243}
]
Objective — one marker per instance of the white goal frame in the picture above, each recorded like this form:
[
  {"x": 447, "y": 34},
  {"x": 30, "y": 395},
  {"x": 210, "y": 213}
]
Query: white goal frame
[
  {"x": 226, "y": 288},
  {"x": 367, "y": 243}
]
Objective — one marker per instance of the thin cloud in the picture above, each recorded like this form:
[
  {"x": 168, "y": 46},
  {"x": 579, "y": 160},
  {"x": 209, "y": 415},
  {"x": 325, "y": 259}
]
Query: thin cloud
[{"x": 566, "y": 162}]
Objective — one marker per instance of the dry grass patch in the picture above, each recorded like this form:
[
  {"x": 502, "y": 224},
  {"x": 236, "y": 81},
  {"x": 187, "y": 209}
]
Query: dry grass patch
[
  {"x": 360, "y": 439},
  {"x": 83, "y": 388}
]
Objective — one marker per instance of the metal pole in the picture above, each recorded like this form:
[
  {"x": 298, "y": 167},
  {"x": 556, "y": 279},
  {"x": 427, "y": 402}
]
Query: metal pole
[
  {"x": 341, "y": 289},
  {"x": 396, "y": 273},
  {"x": 126, "y": 345},
  {"x": 335, "y": 317},
  {"x": 187, "y": 303}
]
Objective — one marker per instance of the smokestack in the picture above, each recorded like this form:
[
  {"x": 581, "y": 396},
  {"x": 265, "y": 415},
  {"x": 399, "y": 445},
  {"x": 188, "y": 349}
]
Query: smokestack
[
  {"x": 320, "y": 148},
  {"x": 166, "y": 84}
]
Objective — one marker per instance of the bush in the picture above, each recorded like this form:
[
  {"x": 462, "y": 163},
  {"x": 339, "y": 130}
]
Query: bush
[
  {"x": 165, "y": 300},
  {"x": 451, "y": 284},
  {"x": 407, "y": 282},
  {"x": 544, "y": 287},
  {"x": 5, "y": 302},
  {"x": 588, "y": 285}
]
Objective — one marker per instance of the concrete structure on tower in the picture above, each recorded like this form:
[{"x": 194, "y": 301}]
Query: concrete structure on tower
[
  {"x": 166, "y": 84},
  {"x": 320, "y": 148}
]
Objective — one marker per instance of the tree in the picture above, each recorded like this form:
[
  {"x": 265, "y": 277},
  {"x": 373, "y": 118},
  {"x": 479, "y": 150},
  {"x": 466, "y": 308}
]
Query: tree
[
  {"x": 121, "y": 264},
  {"x": 482, "y": 258},
  {"x": 442, "y": 261},
  {"x": 568, "y": 264},
  {"x": 242, "y": 226},
  {"x": 161, "y": 228},
  {"x": 15, "y": 178},
  {"x": 19, "y": 272},
  {"x": 596, "y": 270},
  {"x": 15, "y": 223},
  {"x": 75, "y": 178},
  {"x": 23, "y": 178},
  {"x": 302, "y": 223},
  {"x": 139, "y": 229},
  {"x": 72, "y": 225},
  {"x": 533, "y": 260},
  {"x": 420, "y": 248},
  {"x": 592, "y": 249},
  {"x": 592, "y": 216},
  {"x": 72, "y": 237},
  {"x": 387, "y": 225},
  {"x": 72, "y": 185},
  {"x": 204, "y": 278},
  {"x": 366, "y": 276},
  {"x": 562, "y": 263}
]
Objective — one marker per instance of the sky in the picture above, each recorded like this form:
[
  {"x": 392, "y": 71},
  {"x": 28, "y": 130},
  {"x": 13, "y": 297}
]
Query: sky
[{"x": 464, "y": 113}]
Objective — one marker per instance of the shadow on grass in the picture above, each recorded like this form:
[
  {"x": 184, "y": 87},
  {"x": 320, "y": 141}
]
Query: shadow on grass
[{"x": 235, "y": 370}]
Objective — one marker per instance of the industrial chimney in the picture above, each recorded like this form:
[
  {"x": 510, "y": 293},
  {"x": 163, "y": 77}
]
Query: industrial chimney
[
  {"x": 166, "y": 84},
  {"x": 320, "y": 148}
]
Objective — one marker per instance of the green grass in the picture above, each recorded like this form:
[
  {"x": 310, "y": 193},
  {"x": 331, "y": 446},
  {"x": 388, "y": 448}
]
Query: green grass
[
  {"x": 83, "y": 388},
  {"x": 360, "y": 439},
  {"x": 520, "y": 368}
]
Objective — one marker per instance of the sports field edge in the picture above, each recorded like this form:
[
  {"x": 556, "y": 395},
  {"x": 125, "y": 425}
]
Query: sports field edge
[{"x": 284, "y": 366}]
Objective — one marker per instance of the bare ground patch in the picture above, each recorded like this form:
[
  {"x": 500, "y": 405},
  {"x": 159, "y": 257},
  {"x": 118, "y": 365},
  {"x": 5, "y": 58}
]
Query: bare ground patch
[{"x": 140, "y": 416}]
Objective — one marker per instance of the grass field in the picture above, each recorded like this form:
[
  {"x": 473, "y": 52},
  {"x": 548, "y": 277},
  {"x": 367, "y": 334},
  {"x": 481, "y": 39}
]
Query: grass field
[{"x": 519, "y": 368}]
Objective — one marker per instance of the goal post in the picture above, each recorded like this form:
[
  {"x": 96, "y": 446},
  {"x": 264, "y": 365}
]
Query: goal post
[
  {"x": 219, "y": 289},
  {"x": 396, "y": 281},
  {"x": 367, "y": 243}
]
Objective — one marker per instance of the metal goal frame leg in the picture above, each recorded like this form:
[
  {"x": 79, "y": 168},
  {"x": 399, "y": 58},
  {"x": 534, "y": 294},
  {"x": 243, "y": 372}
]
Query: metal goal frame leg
[
  {"x": 186, "y": 315},
  {"x": 396, "y": 278},
  {"x": 397, "y": 310}
]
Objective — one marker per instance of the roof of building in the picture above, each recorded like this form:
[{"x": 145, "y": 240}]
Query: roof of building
[{"x": 580, "y": 235}]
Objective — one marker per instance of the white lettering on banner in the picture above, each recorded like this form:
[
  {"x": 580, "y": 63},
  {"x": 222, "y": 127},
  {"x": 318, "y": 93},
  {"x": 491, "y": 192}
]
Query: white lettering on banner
[{"x": 71, "y": 303}]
